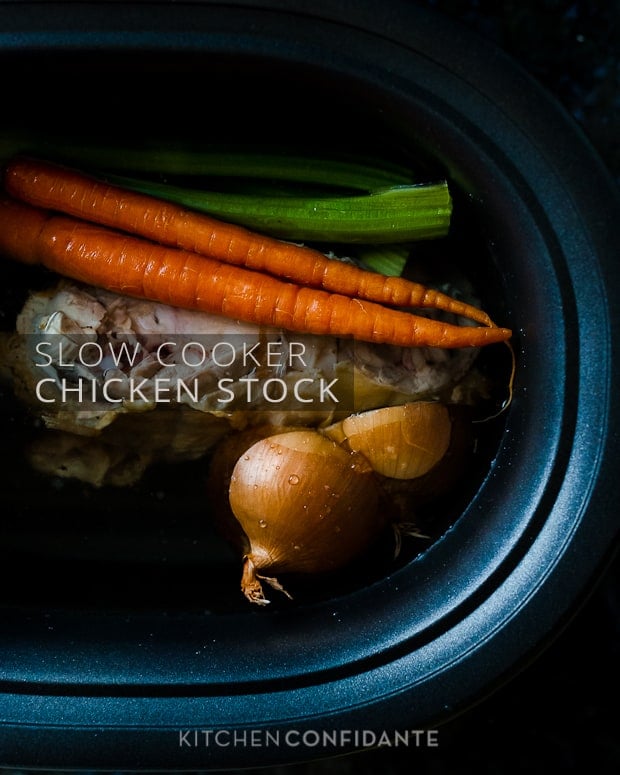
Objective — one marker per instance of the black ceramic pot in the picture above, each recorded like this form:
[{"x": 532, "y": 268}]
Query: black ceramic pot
[{"x": 126, "y": 653}]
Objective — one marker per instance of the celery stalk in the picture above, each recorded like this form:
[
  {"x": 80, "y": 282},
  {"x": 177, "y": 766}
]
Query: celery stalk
[
  {"x": 343, "y": 171},
  {"x": 340, "y": 199},
  {"x": 389, "y": 215},
  {"x": 389, "y": 260}
]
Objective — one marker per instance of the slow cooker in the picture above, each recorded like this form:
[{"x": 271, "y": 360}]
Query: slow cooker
[{"x": 131, "y": 649}]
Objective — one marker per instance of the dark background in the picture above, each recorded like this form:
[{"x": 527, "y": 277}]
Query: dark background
[{"x": 560, "y": 714}]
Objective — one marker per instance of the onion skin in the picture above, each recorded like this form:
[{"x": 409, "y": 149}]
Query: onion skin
[
  {"x": 221, "y": 466},
  {"x": 420, "y": 504},
  {"x": 305, "y": 505},
  {"x": 400, "y": 442}
]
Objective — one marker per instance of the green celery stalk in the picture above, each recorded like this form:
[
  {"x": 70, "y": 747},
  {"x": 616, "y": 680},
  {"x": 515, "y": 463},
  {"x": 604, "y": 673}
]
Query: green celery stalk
[
  {"x": 343, "y": 171},
  {"x": 389, "y": 260},
  {"x": 340, "y": 199},
  {"x": 389, "y": 215}
]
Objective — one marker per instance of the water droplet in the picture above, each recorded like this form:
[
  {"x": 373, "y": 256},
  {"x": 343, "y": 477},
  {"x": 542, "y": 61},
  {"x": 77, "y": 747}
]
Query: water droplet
[
  {"x": 246, "y": 457},
  {"x": 293, "y": 479},
  {"x": 262, "y": 523},
  {"x": 296, "y": 547}
]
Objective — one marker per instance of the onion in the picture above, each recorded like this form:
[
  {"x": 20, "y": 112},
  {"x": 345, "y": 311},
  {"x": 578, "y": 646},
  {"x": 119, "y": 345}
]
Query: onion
[
  {"x": 221, "y": 466},
  {"x": 299, "y": 500},
  {"x": 304, "y": 504},
  {"x": 400, "y": 442}
]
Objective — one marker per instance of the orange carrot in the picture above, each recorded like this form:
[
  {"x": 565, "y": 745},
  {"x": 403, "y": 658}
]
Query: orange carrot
[
  {"x": 134, "y": 266},
  {"x": 59, "y": 188}
]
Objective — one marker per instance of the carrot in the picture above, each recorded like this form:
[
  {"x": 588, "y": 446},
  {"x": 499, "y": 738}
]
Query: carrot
[
  {"x": 133, "y": 266},
  {"x": 60, "y": 188}
]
